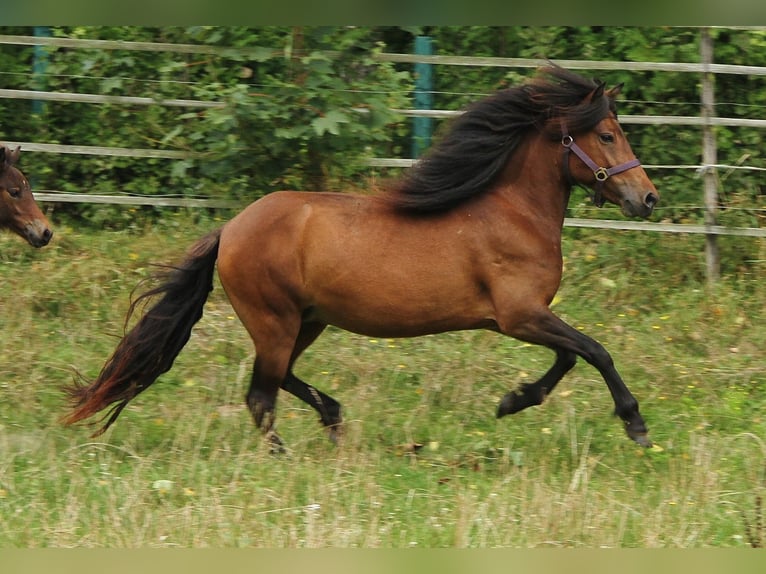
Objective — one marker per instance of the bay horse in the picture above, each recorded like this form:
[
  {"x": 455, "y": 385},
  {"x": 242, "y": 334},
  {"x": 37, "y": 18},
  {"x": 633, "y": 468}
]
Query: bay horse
[
  {"x": 468, "y": 238},
  {"x": 18, "y": 210}
]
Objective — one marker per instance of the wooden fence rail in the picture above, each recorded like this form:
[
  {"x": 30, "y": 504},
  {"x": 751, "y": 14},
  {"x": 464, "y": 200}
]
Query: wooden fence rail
[{"x": 389, "y": 57}]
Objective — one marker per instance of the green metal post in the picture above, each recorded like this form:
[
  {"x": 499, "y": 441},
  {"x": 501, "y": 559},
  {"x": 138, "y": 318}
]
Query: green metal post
[
  {"x": 39, "y": 67},
  {"x": 422, "y": 127}
]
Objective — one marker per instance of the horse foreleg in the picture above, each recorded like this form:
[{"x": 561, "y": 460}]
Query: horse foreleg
[{"x": 549, "y": 330}]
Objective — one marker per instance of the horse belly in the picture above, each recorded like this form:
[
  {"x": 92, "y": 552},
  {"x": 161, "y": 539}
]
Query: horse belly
[
  {"x": 379, "y": 322},
  {"x": 379, "y": 299}
]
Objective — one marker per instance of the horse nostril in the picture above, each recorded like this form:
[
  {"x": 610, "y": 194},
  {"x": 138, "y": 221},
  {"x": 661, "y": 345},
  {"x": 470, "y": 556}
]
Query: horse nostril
[{"x": 651, "y": 200}]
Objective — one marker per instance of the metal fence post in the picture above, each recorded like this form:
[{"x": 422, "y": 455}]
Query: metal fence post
[
  {"x": 39, "y": 67},
  {"x": 422, "y": 127}
]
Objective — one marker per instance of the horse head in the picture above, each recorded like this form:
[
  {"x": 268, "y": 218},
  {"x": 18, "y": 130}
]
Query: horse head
[{"x": 18, "y": 210}]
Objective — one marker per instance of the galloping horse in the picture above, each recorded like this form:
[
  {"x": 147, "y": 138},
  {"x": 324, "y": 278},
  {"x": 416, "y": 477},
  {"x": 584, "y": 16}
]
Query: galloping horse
[
  {"x": 18, "y": 210},
  {"x": 469, "y": 238}
]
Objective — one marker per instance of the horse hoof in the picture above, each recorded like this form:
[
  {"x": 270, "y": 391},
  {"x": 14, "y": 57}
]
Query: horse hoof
[
  {"x": 335, "y": 433},
  {"x": 506, "y": 406},
  {"x": 276, "y": 446},
  {"x": 642, "y": 439},
  {"x": 511, "y": 403}
]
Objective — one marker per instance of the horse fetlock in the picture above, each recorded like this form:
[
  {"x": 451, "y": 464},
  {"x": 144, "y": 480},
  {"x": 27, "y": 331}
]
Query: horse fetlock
[
  {"x": 332, "y": 418},
  {"x": 628, "y": 411},
  {"x": 263, "y": 414}
]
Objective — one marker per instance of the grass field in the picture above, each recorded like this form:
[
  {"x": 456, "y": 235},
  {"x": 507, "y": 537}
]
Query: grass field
[{"x": 184, "y": 466}]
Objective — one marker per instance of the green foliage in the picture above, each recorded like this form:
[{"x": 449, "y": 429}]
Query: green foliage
[
  {"x": 308, "y": 115},
  {"x": 304, "y": 106}
]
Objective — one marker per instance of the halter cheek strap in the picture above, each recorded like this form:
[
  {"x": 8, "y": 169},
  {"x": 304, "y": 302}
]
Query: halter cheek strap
[{"x": 601, "y": 173}]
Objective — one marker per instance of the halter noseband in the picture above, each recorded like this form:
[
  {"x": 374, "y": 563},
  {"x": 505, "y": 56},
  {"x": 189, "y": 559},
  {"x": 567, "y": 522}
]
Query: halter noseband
[{"x": 601, "y": 173}]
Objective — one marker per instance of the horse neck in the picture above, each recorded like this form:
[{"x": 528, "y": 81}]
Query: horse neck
[{"x": 534, "y": 181}]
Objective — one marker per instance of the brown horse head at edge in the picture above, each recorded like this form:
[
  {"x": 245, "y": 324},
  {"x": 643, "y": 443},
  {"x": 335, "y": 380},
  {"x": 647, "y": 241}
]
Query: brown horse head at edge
[{"x": 18, "y": 210}]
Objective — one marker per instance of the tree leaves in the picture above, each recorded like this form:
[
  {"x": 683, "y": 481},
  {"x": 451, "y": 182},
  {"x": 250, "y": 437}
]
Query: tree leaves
[{"x": 329, "y": 122}]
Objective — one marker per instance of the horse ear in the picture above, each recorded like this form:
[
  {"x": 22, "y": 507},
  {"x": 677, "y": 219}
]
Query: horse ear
[
  {"x": 615, "y": 91},
  {"x": 15, "y": 155},
  {"x": 598, "y": 92}
]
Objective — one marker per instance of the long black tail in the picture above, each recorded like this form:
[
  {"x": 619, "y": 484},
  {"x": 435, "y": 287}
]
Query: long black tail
[{"x": 150, "y": 347}]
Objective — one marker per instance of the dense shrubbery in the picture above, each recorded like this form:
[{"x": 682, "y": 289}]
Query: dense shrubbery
[{"x": 294, "y": 116}]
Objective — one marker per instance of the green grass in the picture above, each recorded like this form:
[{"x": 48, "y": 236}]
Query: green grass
[{"x": 184, "y": 466}]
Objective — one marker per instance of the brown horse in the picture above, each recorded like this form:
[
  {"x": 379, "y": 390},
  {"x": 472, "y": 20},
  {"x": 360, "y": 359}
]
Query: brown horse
[
  {"x": 18, "y": 210},
  {"x": 469, "y": 238}
]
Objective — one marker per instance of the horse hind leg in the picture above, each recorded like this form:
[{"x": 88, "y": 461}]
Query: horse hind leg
[
  {"x": 272, "y": 370},
  {"x": 261, "y": 401},
  {"x": 327, "y": 407},
  {"x": 273, "y": 348},
  {"x": 533, "y": 394}
]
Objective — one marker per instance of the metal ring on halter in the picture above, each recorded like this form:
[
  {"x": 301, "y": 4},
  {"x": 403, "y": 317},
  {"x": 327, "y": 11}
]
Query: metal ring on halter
[
  {"x": 601, "y": 174},
  {"x": 567, "y": 140}
]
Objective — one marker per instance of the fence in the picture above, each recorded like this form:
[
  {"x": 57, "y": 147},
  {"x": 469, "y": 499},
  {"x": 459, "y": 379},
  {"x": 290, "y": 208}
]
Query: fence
[{"x": 707, "y": 69}]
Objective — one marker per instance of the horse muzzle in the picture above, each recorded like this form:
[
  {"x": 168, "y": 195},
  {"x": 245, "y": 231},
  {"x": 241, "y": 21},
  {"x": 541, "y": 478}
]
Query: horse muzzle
[
  {"x": 37, "y": 234},
  {"x": 642, "y": 208}
]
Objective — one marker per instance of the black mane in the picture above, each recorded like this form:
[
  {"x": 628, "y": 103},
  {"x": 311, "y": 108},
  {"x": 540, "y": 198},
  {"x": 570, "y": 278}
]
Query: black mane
[{"x": 482, "y": 140}]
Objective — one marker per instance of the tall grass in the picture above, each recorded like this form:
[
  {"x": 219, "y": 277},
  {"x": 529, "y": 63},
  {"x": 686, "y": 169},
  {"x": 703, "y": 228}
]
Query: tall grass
[{"x": 423, "y": 461}]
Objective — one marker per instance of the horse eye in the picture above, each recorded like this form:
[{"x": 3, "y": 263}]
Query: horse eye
[
  {"x": 606, "y": 138},
  {"x": 14, "y": 192}
]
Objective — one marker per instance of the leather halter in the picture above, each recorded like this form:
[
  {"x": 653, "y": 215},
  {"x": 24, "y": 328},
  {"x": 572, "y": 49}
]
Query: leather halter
[{"x": 601, "y": 173}]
